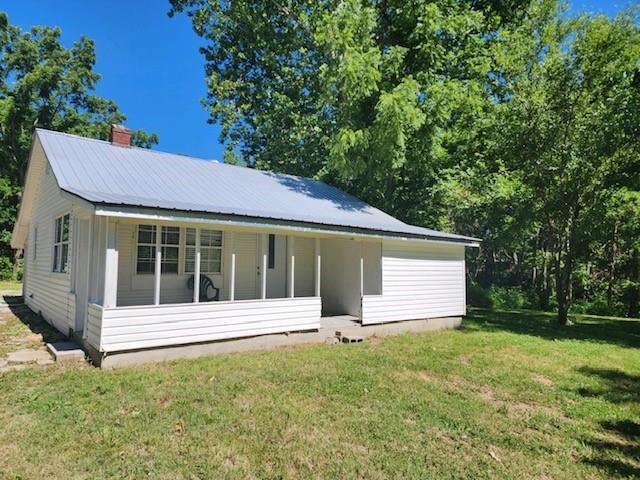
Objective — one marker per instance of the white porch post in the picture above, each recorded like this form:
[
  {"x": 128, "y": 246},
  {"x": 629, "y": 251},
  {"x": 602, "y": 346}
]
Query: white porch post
[
  {"x": 291, "y": 265},
  {"x": 263, "y": 278},
  {"x": 317, "y": 285},
  {"x": 110, "y": 293},
  {"x": 232, "y": 275},
  {"x": 158, "y": 271},
  {"x": 361, "y": 275},
  {"x": 196, "y": 270}
]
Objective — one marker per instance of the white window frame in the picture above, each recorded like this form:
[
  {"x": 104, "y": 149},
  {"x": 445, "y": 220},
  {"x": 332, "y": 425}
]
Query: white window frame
[
  {"x": 205, "y": 251},
  {"x": 59, "y": 244},
  {"x": 157, "y": 229}
]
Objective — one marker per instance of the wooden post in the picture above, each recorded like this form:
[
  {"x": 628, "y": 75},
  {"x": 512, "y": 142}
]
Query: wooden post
[
  {"x": 110, "y": 292},
  {"x": 361, "y": 275},
  {"x": 232, "y": 276},
  {"x": 291, "y": 265},
  {"x": 158, "y": 271},
  {"x": 318, "y": 271},
  {"x": 263, "y": 279},
  {"x": 196, "y": 270}
]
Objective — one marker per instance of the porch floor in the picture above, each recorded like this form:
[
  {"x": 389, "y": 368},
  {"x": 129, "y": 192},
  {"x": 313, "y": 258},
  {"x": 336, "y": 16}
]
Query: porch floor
[
  {"x": 346, "y": 324},
  {"x": 337, "y": 322}
]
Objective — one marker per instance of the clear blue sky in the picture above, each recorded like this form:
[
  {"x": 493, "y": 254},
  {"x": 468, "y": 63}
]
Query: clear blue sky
[{"x": 150, "y": 63}]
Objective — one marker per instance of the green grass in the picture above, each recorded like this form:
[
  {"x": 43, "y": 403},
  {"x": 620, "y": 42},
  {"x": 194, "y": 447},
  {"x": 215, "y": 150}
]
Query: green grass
[
  {"x": 10, "y": 286},
  {"x": 509, "y": 396}
]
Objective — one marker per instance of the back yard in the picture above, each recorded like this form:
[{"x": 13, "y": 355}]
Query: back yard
[{"x": 509, "y": 396}]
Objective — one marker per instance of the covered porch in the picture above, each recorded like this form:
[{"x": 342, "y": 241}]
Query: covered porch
[{"x": 269, "y": 280}]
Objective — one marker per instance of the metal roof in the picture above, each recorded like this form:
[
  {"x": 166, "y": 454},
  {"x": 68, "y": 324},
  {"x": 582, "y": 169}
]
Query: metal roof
[{"x": 102, "y": 173}]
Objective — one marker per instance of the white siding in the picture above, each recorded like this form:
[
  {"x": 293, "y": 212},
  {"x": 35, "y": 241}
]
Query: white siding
[
  {"x": 94, "y": 325},
  {"x": 127, "y": 328},
  {"x": 246, "y": 245},
  {"x": 419, "y": 280},
  {"x": 45, "y": 291},
  {"x": 340, "y": 277},
  {"x": 134, "y": 289},
  {"x": 303, "y": 281}
]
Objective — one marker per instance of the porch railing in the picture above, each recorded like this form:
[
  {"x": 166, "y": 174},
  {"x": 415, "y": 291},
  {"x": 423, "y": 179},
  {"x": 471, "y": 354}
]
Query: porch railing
[{"x": 130, "y": 328}]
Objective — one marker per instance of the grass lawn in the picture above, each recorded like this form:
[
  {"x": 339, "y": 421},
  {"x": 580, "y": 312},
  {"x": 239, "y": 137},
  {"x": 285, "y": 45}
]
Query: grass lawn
[
  {"x": 10, "y": 286},
  {"x": 509, "y": 396}
]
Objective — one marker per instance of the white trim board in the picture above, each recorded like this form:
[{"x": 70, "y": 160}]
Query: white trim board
[{"x": 258, "y": 227}]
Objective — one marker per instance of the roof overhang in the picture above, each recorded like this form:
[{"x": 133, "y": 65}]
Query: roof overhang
[{"x": 264, "y": 224}]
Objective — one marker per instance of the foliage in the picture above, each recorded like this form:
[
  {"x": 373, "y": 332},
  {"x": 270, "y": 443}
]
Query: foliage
[
  {"x": 510, "y": 121},
  {"x": 501, "y": 298},
  {"x": 44, "y": 84}
]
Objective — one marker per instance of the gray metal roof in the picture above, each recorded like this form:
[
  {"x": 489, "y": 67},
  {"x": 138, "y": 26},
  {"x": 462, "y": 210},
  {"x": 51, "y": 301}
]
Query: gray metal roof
[{"x": 102, "y": 173}]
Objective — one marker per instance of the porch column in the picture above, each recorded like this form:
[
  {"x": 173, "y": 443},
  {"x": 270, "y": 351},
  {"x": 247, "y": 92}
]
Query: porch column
[
  {"x": 317, "y": 285},
  {"x": 110, "y": 292},
  {"x": 158, "y": 271},
  {"x": 96, "y": 260},
  {"x": 361, "y": 275},
  {"x": 263, "y": 278},
  {"x": 232, "y": 274},
  {"x": 196, "y": 270},
  {"x": 291, "y": 264}
]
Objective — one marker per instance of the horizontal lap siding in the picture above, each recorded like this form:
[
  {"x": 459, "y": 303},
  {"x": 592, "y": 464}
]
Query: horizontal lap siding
[
  {"x": 48, "y": 292},
  {"x": 136, "y": 289},
  {"x": 94, "y": 325},
  {"x": 305, "y": 267},
  {"x": 419, "y": 281},
  {"x": 128, "y": 328}
]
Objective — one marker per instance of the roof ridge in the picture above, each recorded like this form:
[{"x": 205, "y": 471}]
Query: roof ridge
[
  {"x": 108, "y": 143},
  {"x": 182, "y": 155}
]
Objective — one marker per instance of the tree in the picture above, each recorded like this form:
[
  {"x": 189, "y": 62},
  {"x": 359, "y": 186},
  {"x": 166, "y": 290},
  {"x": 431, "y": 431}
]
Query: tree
[
  {"x": 505, "y": 120},
  {"x": 571, "y": 127},
  {"x": 44, "y": 84},
  {"x": 361, "y": 94}
]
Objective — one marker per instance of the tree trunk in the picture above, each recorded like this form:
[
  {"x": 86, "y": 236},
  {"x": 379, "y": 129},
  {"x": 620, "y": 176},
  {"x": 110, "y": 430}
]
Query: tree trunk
[
  {"x": 564, "y": 271},
  {"x": 612, "y": 265}
]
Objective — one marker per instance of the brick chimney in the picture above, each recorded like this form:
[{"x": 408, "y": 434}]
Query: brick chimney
[{"x": 120, "y": 135}]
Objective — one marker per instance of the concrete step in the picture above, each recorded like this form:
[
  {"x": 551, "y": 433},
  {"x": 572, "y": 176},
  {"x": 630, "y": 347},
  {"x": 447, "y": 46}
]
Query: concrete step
[{"x": 66, "y": 351}]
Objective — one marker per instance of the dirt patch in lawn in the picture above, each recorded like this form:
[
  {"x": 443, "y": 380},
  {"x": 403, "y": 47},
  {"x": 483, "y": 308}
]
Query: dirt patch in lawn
[{"x": 519, "y": 408}]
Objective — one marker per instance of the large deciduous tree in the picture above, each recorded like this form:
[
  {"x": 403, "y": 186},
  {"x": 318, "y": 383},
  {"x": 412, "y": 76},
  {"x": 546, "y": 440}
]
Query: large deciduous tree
[
  {"x": 361, "y": 93},
  {"x": 45, "y": 84},
  {"x": 507, "y": 120},
  {"x": 571, "y": 130}
]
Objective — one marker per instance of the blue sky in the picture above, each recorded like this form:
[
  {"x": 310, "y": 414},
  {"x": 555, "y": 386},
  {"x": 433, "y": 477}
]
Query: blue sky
[{"x": 150, "y": 63}]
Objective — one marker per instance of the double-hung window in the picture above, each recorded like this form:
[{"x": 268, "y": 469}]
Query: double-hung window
[
  {"x": 210, "y": 251},
  {"x": 146, "y": 253},
  {"x": 61, "y": 244}
]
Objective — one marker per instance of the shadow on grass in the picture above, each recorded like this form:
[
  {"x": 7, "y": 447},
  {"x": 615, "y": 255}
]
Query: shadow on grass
[
  {"x": 616, "y": 385},
  {"x": 34, "y": 322},
  {"x": 617, "y": 450},
  {"x": 622, "y": 332}
]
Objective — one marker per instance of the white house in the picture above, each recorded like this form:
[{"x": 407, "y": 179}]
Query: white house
[{"x": 113, "y": 233}]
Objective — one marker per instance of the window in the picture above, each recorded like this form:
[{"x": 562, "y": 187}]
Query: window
[
  {"x": 210, "y": 251},
  {"x": 61, "y": 244},
  {"x": 35, "y": 242},
  {"x": 272, "y": 251},
  {"x": 169, "y": 243}
]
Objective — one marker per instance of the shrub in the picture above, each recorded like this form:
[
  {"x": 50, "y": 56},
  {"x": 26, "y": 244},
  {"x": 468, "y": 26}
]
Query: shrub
[
  {"x": 6, "y": 268},
  {"x": 507, "y": 298},
  {"x": 598, "y": 306},
  {"x": 478, "y": 296}
]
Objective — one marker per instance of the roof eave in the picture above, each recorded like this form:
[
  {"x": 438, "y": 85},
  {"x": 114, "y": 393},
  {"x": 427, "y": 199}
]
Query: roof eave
[{"x": 160, "y": 214}]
